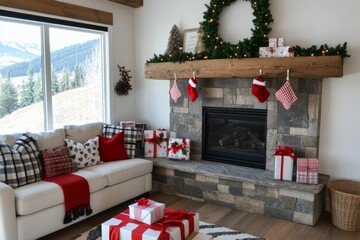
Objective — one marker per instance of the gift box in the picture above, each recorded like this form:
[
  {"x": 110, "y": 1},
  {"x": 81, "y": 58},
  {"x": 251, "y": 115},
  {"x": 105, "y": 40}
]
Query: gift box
[
  {"x": 179, "y": 148},
  {"x": 284, "y": 161},
  {"x": 266, "y": 52},
  {"x": 307, "y": 170},
  {"x": 176, "y": 225},
  {"x": 276, "y": 42},
  {"x": 155, "y": 143},
  {"x": 147, "y": 211}
]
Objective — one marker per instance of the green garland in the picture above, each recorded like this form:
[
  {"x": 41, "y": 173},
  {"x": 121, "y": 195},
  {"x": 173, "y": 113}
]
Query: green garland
[{"x": 248, "y": 48}]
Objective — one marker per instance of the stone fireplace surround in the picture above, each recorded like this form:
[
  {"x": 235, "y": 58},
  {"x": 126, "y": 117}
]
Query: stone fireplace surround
[{"x": 238, "y": 187}]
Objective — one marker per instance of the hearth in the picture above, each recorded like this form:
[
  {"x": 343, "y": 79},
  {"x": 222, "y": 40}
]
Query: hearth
[{"x": 235, "y": 136}]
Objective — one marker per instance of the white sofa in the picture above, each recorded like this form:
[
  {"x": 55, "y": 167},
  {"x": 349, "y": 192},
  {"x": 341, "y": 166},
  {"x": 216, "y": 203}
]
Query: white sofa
[{"x": 37, "y": 209}]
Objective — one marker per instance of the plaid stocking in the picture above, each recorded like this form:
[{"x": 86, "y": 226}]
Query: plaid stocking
[{"x": 286, "y": 95}]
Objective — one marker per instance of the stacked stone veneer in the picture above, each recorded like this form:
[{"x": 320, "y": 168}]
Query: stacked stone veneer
[
  {"x": 241, "y": 188},
  {"x": 297, "y": 127},
  {"x": 247, "y": 189}
]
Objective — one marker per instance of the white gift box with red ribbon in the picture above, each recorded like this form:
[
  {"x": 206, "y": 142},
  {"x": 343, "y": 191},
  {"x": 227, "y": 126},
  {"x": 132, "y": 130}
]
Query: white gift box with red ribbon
[
  {"x": 155, "y": 143},
  {"x": 284, "y": 162},
  {"x": 266, "y": 52},
  {"x": 307, "y": 170},
  {"x": 179, "y": 148},
  {"x": 123, "y": 227},
  {"x": 148, "y": 213}
]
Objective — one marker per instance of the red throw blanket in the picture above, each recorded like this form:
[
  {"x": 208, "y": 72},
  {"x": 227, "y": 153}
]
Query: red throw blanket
[{"x": 76, "y": 195}]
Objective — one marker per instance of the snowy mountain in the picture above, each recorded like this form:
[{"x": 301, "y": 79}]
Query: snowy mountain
[{"x": 12, "y": 52}]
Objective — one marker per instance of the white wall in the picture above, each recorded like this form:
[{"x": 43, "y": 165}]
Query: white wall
[
  {"x": 303, "y": 23},
  {"x": 121, "y": 37}
]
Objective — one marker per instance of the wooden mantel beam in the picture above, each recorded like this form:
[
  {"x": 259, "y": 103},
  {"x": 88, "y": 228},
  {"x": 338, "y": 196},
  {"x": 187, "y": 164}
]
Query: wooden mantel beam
[
  {"x": 300, "y": 67},
  {"x": 130, "y": 3}
]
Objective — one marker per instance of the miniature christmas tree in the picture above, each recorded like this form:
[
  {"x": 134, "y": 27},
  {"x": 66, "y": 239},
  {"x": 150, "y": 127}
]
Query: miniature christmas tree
[
  {"x": 175, "y": 41},
  {"x": 200, "y": 45},
  {"x": 123, "y": 86}
]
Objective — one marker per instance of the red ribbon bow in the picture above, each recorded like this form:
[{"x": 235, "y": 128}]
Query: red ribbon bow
[{"x": 142, "y": 202}]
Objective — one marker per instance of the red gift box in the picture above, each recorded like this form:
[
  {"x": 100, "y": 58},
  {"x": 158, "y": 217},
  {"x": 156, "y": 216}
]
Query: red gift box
[
  {"x": 307, "y": 170},
  {"x": 176, "y": 225}
]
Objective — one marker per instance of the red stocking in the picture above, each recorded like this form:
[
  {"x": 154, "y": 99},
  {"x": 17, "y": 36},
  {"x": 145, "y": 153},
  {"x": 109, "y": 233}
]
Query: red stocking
[
  {"x": 259, "y": 90},
  {"x": 191, "y": 89}
]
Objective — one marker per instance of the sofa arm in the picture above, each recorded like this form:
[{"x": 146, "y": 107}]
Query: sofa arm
[{"x": 8, "y": 224}]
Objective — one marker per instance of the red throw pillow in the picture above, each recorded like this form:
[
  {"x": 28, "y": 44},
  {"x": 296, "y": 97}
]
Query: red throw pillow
[
  {"x": 57, "y": 162},
  {"x": 112, "y": 149}
]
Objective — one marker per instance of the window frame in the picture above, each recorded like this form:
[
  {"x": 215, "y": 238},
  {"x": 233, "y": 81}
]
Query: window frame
[{"x": 45, "y": 23}]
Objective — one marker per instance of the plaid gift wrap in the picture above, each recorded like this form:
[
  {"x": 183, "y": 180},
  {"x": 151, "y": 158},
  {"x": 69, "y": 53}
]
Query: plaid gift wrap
[
  {"x": 179, "y": 148},
  {"x": 276, "y": 42},
  {"x": 284, "y": 161},
  {"x": 146, "y": 211},
  {"x": 307, "y": 170},
  {"x": 176, "y": 225},
  {"x": 155, "y": 143}
]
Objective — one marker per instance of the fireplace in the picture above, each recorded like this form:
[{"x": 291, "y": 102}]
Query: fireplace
[{"x": 235, "y": 136}]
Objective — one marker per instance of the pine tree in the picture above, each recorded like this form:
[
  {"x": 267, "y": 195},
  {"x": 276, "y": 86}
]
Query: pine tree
[
  {"x": 64, "y": 80},
  {"x": 38, "y": 92},
  {"x": 55, "y": 87},
  {"x": 79, "y": 76},
  {"x": 27, "y": 89},
  {"x": 175, "y": 41},
  {"x": 8, "y": 97},
  {"x": 200, "y": 45}
]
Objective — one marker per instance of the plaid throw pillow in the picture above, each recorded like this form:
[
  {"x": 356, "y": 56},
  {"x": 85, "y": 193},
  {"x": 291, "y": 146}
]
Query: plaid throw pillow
[
  {"x": 20, "y": 164},
  {"x": 129, "y": 136},
  {"x": 57, "y": 161}
]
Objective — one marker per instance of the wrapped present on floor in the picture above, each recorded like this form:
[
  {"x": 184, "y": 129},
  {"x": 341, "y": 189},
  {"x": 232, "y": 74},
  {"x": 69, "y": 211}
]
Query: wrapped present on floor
[
  {"x": 147, "y": 211},
  {"x": 266, "y": 52},
  {"x": 179, "y": 148},
  {"x": 176, "y": 225},
  {"x": 284, "y": 161},
  {"x": 307, "y": 170},
  {"x": 276, "y": 42},
  {"x": 155, "y": 143}
]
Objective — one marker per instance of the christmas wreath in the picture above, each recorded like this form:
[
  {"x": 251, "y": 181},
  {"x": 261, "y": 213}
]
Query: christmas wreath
[{"x": 216, "y": 48}]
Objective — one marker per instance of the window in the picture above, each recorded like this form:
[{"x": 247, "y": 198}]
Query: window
[{"x": 51, "y": 74}]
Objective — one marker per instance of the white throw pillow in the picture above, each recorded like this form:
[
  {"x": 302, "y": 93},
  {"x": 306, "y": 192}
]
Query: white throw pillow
[{"x": 84, "y": 155}]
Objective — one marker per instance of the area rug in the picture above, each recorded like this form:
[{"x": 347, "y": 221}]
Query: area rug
[{"x": 217, "y": 232}]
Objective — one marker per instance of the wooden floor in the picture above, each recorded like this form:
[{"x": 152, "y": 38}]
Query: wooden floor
[{"x": 258, "y": 225}]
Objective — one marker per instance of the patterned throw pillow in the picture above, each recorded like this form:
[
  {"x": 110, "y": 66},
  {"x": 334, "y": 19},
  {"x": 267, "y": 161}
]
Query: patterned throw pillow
[
  {"x": 129, "y": 136},
  {"x": 57, "y": 162},
  {"x": 20, "y": 164},
  {"x": 84, "y": 155}
]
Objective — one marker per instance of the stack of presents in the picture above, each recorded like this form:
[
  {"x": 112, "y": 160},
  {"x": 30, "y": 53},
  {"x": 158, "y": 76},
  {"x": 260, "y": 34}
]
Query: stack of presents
[
  {"x": 276, "y": 48},
  {"x": 157, "y": 145},
  {"x": 150, "y": 220},
  {"x": 307, "y": 168}
]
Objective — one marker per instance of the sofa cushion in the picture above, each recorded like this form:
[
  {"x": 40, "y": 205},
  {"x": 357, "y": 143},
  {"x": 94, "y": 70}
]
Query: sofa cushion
[
  {"x": 84, "y": 155},
  {"x": 57, "y": 161},
  {"x": 51, "y": 139},
  {"x": 130, "y": 134},
  {"x": 82, "y": 133},
  {"x": 20, "y": 164},
  {"x": 112, "y": 149},
  {"x": 120, "y": 171},
  {"x": 10, "y": 139},
  {"x": 40, "y": 195}
]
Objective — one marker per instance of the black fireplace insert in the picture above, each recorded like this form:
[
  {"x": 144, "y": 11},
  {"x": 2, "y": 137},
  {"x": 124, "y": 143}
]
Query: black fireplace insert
[{"x": 235, "y": 136}]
